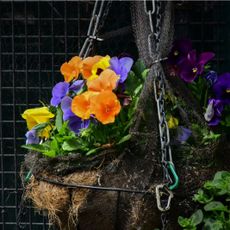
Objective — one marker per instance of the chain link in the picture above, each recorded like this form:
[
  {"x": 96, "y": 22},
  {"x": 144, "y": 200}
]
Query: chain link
[
  {"x": 159, "y": 93},
  {"x": 94, "y": 25}
]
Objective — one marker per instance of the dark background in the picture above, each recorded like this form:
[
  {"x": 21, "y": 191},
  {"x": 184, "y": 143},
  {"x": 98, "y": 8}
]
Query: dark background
[{"x": 37, "y": 37}]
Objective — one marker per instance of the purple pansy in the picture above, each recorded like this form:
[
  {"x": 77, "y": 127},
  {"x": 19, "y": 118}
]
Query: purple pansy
[
  {"x": 179, "y": 51},
  {"x": 211, "y": 78},
  {"x": 61, "y": 89},
  {"x": 221, "y": 88},
  {"x": 121, "y": 67},
  {"x": 183, "y": 134},
  {"x": 193, "y": 65},
  {"x": 213, "y": 112},
  {"x": 75, "y": 122},
  {"x": 32, "y": 137}
]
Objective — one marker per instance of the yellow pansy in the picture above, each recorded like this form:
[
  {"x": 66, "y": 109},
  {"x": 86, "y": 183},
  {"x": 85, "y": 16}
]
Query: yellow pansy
[
  {"x": 172, "y": 122},
  {"x": 98, "y": 67},
  {"x": 37, "y": 116}
]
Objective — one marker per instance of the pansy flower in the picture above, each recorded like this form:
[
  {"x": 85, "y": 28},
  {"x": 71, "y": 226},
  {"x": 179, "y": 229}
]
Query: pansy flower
[
  {"x": 98, "y": 67},
  {"x": 214, "y": 112},
  {"x": 221, "y": 88},
  {"x": 75, "y": 123},
  {"x": 193, "y": 65},
  {"x": 106, "y": 81},
  {"x": 37, "y": 116},
  {"x": 121, "y": 67},
  {"x": 87, "y": 65},
  {"x": 32, "y": 137},
  {"x": 183, "y": 134},
  {"x": 105, "y": 106},
  {"x": 179, "y": 51},
  {"x": 61, "y": 89},
  {"x": 70, "y": 70},
  {"x": 81, "y": 105},
  {"x": 211, "y": 78},
  {"x": 172, "y": 122}
]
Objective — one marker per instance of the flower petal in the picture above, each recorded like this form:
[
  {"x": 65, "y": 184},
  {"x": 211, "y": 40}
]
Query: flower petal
[
  {"x": 59, "y": 91},
  {"x": 77, "y": 86},
  {"x": 105, "y": 106}
]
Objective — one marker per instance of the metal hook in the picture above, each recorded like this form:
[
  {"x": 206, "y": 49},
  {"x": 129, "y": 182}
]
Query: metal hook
[{"x": 161, "y": 190}]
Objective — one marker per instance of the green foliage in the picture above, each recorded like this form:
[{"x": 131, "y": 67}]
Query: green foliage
[
  {"x": 203, "y": 135},
  {"x": 214, "y": 199}
]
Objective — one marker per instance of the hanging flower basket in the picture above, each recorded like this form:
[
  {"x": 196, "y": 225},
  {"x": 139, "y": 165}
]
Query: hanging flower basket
[{"x": 94, "y": 150}]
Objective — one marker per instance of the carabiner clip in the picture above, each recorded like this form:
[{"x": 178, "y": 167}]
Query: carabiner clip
[
  {"x": 176, "y": 178},
  {"x": 161, "y": 190}
]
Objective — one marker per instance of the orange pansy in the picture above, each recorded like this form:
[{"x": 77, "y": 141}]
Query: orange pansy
[
  {"x": 105, "y": 106},
  {"x": 106, "y": 81},
  {"x": 87, "y": 65},
  {"x": 71, "y": 69},
  {"x": 81, "y": 105}
]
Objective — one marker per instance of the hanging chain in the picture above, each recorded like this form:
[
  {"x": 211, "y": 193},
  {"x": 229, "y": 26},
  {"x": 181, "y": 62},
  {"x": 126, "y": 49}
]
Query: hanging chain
[
  {"x": 96, "y": 22},
  {"x": 163, "y": 191}
]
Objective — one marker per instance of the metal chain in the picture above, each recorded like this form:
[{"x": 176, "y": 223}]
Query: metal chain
[
  {"x": 94, "y": 25},
  {"x": 163, "y": 191}
]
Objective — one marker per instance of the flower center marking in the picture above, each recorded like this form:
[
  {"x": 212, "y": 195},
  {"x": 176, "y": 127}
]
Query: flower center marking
[
  {"x": 194, "y": 70},
  {"x": 176, "y": 53}
]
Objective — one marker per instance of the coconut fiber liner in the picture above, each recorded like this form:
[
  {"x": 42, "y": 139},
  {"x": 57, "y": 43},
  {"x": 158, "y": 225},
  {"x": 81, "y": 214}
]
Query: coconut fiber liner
[{"x": 135, "y": 167}]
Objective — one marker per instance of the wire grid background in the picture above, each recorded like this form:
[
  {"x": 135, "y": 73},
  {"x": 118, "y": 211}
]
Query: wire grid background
[{"x": 37, "y": 37}]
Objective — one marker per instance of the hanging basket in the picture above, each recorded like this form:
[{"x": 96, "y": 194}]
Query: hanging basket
[{"x": 116, "y": 188}]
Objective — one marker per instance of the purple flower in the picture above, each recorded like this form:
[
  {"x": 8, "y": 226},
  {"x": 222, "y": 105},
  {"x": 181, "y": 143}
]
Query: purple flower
[
  {"x": 183, "y": 134},
  {"x": 179, "y": 51},
  {"x": 213, "y": 112},
  {"x": 193, "y": 65},
  {"x": 121, "y": 67},
  {"x": 32, "y": 137},
  {"x": 221, "y": 88},
  {"x": 61, "y": 89},
  {"x": 75, "y": 122},
  {"x": 211, "y": 78}
]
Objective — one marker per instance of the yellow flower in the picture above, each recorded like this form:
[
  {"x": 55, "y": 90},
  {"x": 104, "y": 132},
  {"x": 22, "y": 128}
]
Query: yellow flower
[
  {"x": 99, "y": 66},
  {"x": 37, "y": 116},
  {"x": 172, "y": 122}
]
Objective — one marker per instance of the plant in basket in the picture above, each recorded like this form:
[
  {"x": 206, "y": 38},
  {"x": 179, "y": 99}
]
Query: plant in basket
[{"x": 91, "y": 110}]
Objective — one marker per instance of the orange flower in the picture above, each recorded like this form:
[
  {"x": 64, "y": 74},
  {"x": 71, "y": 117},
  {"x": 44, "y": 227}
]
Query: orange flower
[
  {"x": 81, "y": 105},
  {"x": 105, "y": 106},
  {"x": 106, "y": 81},
  {"x": 87, "y": 65},
  {"x": 71, "y": 69}
]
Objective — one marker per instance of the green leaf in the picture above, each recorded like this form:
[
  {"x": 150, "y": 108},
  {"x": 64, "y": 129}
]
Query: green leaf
[
  {"x": 202, "y": 197},
  {"x": 70, "y": 145},
  {"x": 144, "y": 74},
  {"x": 92, "y": 151},
  {"x": 35, "y": 147},
  {"x": 197, "y": 217},
  {"x": 59, "y": 120},
  {"x": 40, "y": 126},
  {"x": 50, "y": 153},
  {"x": 215, "y": 206},
  {"x": 54, "y": 145},
  {"x": 184, "y": 222},
  {"x": 139, "y": 67},
  {"x": 124, "y": 139},
  {"x": 211, "y": 224}
]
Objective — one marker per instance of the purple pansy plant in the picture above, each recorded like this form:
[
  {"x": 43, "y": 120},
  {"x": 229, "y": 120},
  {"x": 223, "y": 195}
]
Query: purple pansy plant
[
  {"x": 183, "y": 134},
  {"x": 193, "y": 65},
  {"x": 61, "y": 89},
  {"x": 221, "y": 88},
  {"x": 211, "y": 78},
  {"x": 214, "y": 112},
  {"x": 121, "y": 66},
  {"x": 75, "y": 123},
  {"x": 32, "y": 137},
  {"x": 179, "y": 51}
]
